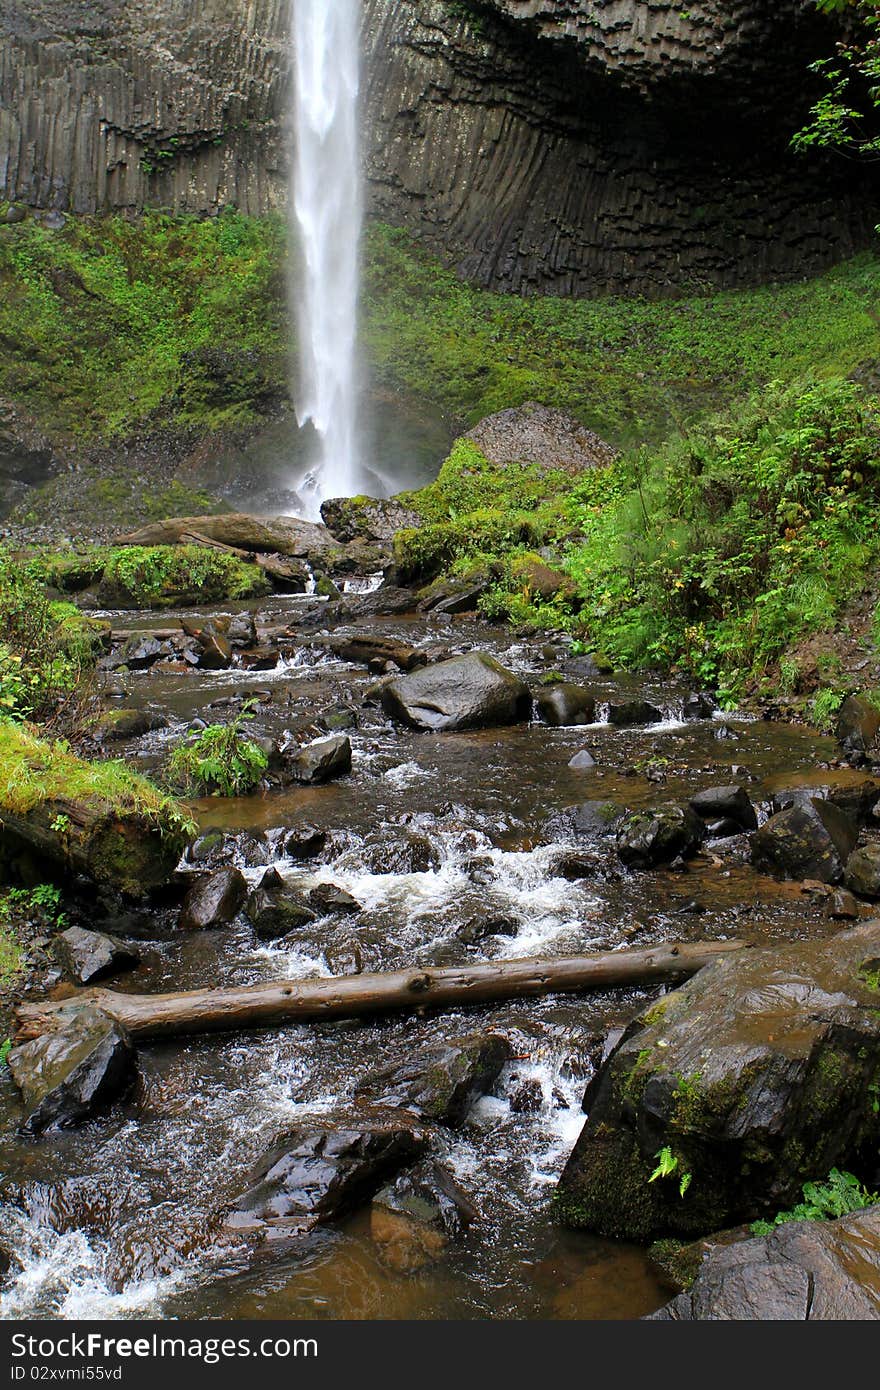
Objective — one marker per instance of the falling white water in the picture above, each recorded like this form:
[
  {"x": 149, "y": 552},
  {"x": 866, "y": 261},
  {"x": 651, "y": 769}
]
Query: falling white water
[{"x": 326, "y": 222}]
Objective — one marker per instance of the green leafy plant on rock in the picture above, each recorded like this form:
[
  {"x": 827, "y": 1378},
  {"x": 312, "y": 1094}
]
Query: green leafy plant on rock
[
  {"x": 839, "y": 1195},
  {"x": 221, "y": 761}
]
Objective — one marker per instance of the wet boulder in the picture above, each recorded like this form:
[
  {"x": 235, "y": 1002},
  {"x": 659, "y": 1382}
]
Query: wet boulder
[
  {"x": 411, "y": 853},
  {"x": 260, "y": 659},
  {"x": 582, "y": 761},
  {"x": 750, "y": 1080},
  {"x": 321, "y": 1171},
  {"x": 274, "y": 912},
  {"x": 858, "y": 724},
  {"x": 66, "y": 1077},
  {"x": 213, "y": 900},
  {"x": 633, "y": 713},
  {"x": 117, "y": 724},
  {"x": 242, "y": 630},
  {"x": 328, "y": 899},
  {"x": 591, "y": 820},
  {"x": 854, "y": 792},
  {"x": 212, "y": 643},
  {"x": 413, "y": 1219},
  {"x": 862, "y": 873},
  {"x": 804, "y": 1271},
  {"x": 89, "y": 956},
  {"x": 303, "y": 842},
  {"x": 287, "y": 576},
  {"x": 812, "y": 839},
  {"x": 467, "y": 692},
  {"x": 564, "y": 704},
  {"x": 726, "y": 804},
  {"x": 363, "y": 649},
  {"x": 479, "y": 929},
  {"x": 319, "y": 762},
  {"x": 647, "y": 838},
  {"x": 140, "y": 652},
  {"x": 442, "y": 1082},
  {"x": 699, "y": 704}
]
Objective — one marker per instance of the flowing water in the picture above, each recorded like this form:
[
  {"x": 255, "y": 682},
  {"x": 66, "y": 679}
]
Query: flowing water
[
  {"x": 123, "y": 1216},
  {"x": 326, "y": 222}
]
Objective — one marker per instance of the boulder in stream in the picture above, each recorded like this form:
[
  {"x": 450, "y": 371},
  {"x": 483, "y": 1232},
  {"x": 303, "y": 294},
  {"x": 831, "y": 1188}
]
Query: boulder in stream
[
  {"x": 633, "y": 713},
  {"x": 362, "y": 649},
  {"x": 853, "y": 791},
  {"x": 812, "y": 839},
  {"x": 320, "y": 1171},
  {"x": 329, "y": 899},
  {"x": 565, "y": 704},
  {"x": 731, "y": 803},
  {"x": 468, "y": 692},
  {"x": 275, "y": 912},
  {"x": 442, "y": 1082},
  {"x": 647, "y": 838},
  {"x": 858, "y": 724},
  {"x": 319, "y": 762},
  {"x": 862, "y": 873},
  {"x": 66, "y": 1076},
  {"x": 413, "y": 1219},
  {"x": 726, "y": 1096},
  {"x": 804, "y": 1271},
  {"x": 89, "y": 956},
  {"x": 213, "y": 900}
]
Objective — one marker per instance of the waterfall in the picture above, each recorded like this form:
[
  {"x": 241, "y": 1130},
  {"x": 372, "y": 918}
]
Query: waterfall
[{"x": 325, "y": 219}]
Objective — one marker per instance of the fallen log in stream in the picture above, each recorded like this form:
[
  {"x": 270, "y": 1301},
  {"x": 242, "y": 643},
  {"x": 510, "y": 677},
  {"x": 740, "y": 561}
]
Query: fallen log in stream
[{"x": 281, "y": 1002}]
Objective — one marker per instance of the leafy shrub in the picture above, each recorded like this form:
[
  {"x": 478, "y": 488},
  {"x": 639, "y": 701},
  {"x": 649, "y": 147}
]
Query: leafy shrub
[
  {"x": 165, "y": 575},
  {"x": 823, "y": 1201},
  {"x": 220, "y": 761},
  {"x": 47, "y": 649}
]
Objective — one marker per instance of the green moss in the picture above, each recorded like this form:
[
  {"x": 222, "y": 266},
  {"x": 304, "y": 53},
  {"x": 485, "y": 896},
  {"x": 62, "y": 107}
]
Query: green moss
[
  {"x": 33, "y": 771},
  {"x": 158, "y": 576}
]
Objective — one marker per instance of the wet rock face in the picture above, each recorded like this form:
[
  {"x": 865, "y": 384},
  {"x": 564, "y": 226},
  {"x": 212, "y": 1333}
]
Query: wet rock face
[
  {"x": 858, "y": 724},
  {"x": 319, "y": 1172},
  {"x": 468, "y": 692},
  {"x": 213, "y": 900},
  {"x": 319, "y": 762},
  {"x": 633, "y": 713},
  {"x": 566, "y": 704},
  {"x": 755, "y": 1076},
  {"x": 67, "y": 1076},
  {"x": 862, "y": 873},
  {"x": 808, "y": 1271},
  {"x": 654, "y": 837},
  {"x": 89, "y": 956},
  {"x": 812, "y": 839},
  {"x": 589, "y": 111},
  {"x": 440, "y": 1084},
  {"x": 415, "y": 1218}
]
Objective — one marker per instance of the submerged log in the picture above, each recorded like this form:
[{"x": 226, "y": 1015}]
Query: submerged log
[{"x": 282, "y": 1002}]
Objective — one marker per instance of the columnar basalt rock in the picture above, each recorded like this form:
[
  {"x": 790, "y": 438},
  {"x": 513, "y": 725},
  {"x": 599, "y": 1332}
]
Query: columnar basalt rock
[{"x": 634, "y": 146}]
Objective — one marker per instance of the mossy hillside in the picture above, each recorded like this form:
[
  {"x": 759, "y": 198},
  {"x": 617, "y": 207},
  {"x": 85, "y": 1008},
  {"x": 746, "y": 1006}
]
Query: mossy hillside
[
  {"x": 160, "y": 576},
  {"x": 113, "y": 325},
  {"x": 631, "y": 370}
]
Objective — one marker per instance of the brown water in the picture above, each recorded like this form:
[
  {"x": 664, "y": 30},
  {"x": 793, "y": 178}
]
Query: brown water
[{"x": 122, "y": 1217}]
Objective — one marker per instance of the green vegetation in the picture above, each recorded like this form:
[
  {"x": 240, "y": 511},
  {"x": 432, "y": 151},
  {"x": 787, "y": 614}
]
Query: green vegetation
[
  {"x": 47, "y": 649},
  {"x": 633, "y": 371},
  {"x": 845, "y": 116},
  {"x": 24, "y": 912},
  {"x": 34, "y": 771},
  {"x": 840, "y": 1194},
  {"x": 220, "y": 761},
  {"x": 113, "y": 323},
  {"x": 155, "y": 576}
]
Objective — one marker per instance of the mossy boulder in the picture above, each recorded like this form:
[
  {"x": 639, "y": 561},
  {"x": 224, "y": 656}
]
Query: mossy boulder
[
  {"x": 758, "y": 1075},
  {"x": 442, "y": 1082},
  {"x": 366, "y": 518},
  {"x": 811, "y": 839}
]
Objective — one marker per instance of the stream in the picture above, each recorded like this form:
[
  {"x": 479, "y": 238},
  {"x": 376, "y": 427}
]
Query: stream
[{"x": 120, "y": 1217}]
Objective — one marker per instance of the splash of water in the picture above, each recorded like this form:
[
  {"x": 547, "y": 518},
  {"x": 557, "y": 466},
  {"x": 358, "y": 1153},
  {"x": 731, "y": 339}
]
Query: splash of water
[{"x": 326, "y": 214}]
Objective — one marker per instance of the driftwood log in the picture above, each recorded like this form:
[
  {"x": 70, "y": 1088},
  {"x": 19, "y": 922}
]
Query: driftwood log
[
  {"x": 283, "y": 1002},
  {"x": 87, "y": 837}
]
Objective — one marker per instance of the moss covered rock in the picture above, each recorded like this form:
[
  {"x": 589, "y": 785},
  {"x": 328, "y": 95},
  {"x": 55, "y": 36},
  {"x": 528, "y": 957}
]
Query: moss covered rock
[{"x": 725, "y": 1097}]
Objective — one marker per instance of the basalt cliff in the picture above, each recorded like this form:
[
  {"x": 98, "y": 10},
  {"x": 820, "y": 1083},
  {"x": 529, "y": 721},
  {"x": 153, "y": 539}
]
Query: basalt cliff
[{"x": 580, "y": 147}]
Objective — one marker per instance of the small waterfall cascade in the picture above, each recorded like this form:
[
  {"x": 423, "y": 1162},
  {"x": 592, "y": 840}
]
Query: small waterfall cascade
[{"x": 325, "y": 223}]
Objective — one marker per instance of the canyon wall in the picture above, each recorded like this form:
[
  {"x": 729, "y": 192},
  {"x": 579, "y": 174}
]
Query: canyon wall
[{"x": 569, "y": 147}]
